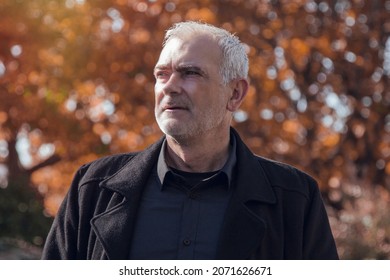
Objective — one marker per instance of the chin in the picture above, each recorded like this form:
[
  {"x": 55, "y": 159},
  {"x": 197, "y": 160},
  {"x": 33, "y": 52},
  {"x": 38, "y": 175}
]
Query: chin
[
  {"x": 175, "y": 132},
  {"x": 170, "y": 128},
  {"x": 178, "y": 132}
]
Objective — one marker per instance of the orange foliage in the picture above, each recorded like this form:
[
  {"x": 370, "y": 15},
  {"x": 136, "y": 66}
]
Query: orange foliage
[{"x": 78, "y": 75}]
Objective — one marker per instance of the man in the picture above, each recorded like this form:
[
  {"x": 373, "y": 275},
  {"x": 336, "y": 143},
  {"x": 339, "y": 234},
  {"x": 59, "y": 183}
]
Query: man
[{"x": 199, "y": 193}]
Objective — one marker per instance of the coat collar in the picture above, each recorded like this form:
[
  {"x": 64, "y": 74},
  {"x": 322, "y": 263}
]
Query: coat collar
[
  {"x": 252, "y": 181},
  {"x": 135, "y": 172},
  {"x": 242, "y": 228}
]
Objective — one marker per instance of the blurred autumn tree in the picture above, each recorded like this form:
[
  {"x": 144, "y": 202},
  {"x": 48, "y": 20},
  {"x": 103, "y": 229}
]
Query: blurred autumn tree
[{"x": 76, "y": 83}]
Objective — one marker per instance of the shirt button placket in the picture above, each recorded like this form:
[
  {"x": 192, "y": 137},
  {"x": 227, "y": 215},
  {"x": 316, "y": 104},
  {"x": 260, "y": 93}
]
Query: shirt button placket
[{"x": 189, "y": 228}]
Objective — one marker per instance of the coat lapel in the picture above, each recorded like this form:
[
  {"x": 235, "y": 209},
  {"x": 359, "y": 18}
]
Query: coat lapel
[
  {"x": 244, "y": 227},
  {"x": 114, "y": 226}
]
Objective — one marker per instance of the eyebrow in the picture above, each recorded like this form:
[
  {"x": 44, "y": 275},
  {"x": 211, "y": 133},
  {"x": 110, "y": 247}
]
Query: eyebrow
[
  {"x": 159, "y": 67},
  {"x": 182, "y": 68}
]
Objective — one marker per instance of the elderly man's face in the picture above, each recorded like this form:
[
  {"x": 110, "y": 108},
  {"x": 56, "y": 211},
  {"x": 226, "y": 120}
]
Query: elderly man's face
[{"x": 190, "y": 97}]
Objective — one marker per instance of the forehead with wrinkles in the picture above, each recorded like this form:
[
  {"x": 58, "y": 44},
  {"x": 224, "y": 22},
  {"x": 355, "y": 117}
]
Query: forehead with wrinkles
[{"x": 198, "y": 51}]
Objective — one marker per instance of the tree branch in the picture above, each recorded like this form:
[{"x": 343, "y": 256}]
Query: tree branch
[{"x": 47, "y": 162}]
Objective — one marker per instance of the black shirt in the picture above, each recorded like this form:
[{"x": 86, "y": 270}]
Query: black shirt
[{"x": 181, "y": 213}]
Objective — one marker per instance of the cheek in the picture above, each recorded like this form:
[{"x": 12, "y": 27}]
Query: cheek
[
  {"x": 214, "y": 97},
  {"x": 157, "y": 93}
]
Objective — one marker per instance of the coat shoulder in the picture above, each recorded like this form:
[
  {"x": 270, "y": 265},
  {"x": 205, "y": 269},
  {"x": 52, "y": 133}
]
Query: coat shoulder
[
  {"x": 288, "y": 177},
  {"x": 104, "y": 167},
  {"x": 109, "y": 166}
]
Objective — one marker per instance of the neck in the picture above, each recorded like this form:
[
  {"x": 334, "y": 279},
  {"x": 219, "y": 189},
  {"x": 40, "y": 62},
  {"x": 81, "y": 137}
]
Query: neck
[{"x": 205, "y": 153}]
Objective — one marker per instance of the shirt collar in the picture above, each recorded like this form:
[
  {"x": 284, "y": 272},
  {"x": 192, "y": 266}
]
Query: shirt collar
[{"x": 228, "y": 168}]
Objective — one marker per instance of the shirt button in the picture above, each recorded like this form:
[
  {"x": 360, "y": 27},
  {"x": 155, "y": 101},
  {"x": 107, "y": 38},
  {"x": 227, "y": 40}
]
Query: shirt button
[
  {"x": 186, "y": 242},
  {"x": 192, "y": 195}
]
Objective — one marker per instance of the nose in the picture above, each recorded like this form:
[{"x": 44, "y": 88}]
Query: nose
[{"x": 172, "y": 85}]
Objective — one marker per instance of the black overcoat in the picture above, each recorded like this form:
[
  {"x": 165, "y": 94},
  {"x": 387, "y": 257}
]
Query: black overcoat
[{"x": 276, "y": 211}]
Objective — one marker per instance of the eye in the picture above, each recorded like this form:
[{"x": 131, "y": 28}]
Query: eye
[
  {"x": 161, "y": 74},
  {"x": 191, "y": 73}
]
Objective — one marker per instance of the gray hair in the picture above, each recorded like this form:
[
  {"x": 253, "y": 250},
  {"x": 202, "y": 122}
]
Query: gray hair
[{"x": 234, "y": 63}]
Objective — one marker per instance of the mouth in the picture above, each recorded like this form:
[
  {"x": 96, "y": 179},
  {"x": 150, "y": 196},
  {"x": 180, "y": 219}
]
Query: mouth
[{"x": 173, "y": 108}]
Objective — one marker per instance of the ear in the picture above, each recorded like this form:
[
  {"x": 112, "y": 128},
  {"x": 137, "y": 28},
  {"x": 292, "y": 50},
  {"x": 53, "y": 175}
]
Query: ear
[{"x": 239, "y": 88}]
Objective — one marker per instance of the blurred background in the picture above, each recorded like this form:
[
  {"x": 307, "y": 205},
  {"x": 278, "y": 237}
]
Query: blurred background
[{"x": 76, "y": 84}]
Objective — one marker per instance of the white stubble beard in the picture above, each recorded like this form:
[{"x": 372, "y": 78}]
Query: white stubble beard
[{"x": 181, "y": 131}]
